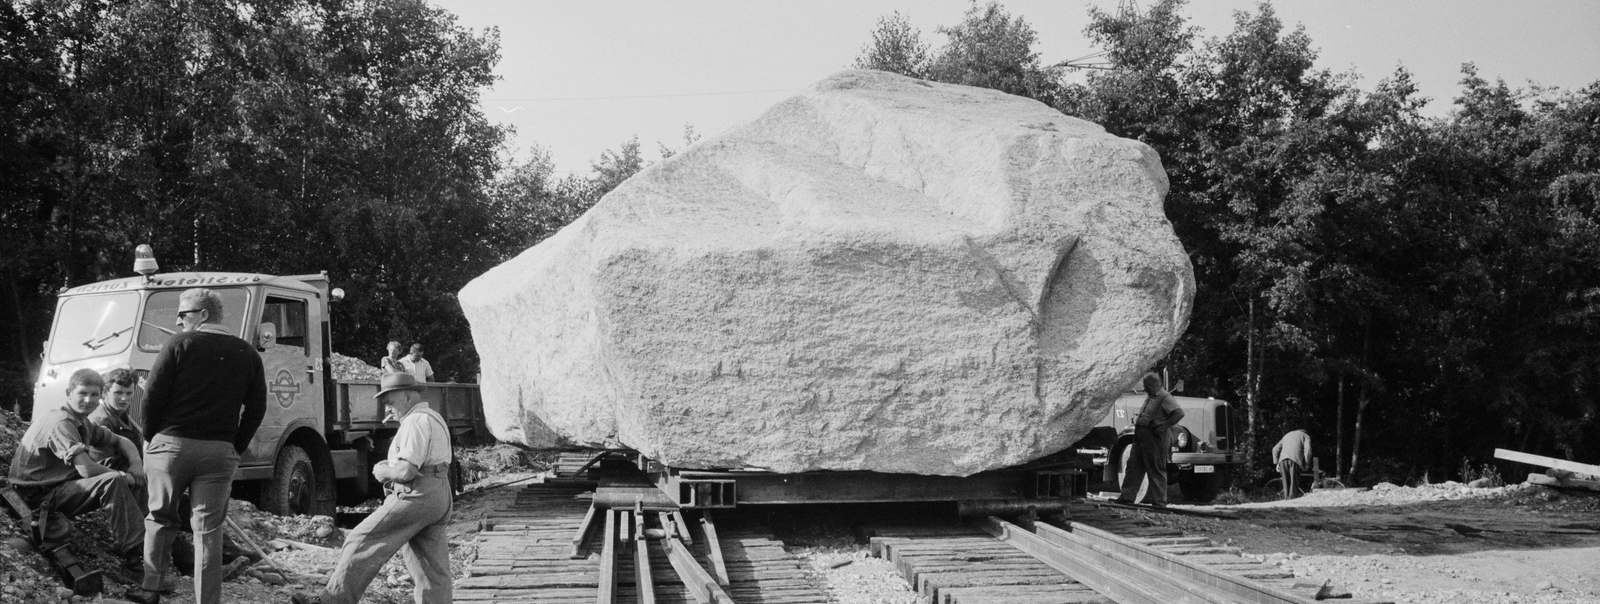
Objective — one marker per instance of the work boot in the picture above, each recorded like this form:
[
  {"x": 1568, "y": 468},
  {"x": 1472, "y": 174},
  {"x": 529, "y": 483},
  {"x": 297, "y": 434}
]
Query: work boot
[
  {"x": 140, "y": 595},
  {"x": 132, "y": 565}
]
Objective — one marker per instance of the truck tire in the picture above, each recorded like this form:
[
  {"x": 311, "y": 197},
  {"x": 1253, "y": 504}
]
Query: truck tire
[
  {"x": 294, "y": 488},
  {"x": 1199, "y": 488}
]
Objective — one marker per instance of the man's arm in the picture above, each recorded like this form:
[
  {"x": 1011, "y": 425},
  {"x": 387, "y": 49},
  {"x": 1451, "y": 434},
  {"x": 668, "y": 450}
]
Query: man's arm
[
  {"x": 1305, "y": 449},
  {"x": 1174, "y": 417},
  {"x": 131, "y": 451},
  {"x": 255, "y": 405},
  {"x": 158, "y": 388},
  {"x": 1276, "y": 451},
  {"x": 395, "y": 471}
]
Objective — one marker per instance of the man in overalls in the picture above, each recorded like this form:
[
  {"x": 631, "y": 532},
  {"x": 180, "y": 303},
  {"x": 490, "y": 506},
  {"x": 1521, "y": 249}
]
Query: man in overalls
[{"x": 416, "y": 512}]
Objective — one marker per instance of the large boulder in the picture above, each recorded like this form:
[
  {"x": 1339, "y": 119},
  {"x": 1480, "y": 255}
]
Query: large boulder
[{"x": 879, "y": 273}]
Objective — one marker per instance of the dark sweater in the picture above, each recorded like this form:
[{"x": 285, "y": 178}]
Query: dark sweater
[{"x": 206, "y": 386}]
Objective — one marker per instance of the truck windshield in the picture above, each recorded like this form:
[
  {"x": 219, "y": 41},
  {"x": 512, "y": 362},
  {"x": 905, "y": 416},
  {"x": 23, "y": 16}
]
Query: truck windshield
[
  {"x": 161, "y": 314},
  {"x": 93, "y": 326}
]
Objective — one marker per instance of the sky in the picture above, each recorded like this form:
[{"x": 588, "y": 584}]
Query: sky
[{"x": 578, "y": 78}]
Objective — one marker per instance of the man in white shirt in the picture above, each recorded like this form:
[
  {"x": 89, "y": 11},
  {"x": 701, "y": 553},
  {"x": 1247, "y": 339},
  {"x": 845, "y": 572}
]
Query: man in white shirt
[
  {"x": 416, "y": 365},
  {"x": 416, "y": 513}
]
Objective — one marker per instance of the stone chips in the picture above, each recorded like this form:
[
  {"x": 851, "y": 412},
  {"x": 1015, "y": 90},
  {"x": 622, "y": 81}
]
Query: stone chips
[{"x": 880, "y": 273}]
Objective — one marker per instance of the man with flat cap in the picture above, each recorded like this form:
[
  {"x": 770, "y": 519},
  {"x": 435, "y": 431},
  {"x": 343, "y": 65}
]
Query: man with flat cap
[{"x": 416, "y": 512}]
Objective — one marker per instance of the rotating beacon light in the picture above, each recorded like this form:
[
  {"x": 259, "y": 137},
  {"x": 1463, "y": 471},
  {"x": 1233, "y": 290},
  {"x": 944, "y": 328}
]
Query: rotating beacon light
[{"x": 144, "y": 261}]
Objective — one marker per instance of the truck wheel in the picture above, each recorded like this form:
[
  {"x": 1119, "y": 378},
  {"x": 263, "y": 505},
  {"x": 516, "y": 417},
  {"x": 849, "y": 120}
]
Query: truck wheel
[
  {"x": 293, "y": 490},
  {"x": 1199, "y": 488}
]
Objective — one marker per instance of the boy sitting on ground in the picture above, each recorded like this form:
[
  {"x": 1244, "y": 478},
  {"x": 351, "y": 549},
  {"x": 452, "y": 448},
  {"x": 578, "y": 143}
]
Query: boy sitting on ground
[{"x": 54, "y": 472}]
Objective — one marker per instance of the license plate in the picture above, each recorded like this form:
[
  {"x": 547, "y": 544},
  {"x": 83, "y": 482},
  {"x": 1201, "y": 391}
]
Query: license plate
[{"x": 1204, "y": 469}]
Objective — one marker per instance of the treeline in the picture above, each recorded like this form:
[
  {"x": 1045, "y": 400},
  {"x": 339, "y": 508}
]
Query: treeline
[
  {"x": 272, "y": 136},
  {"x": 1415, "y": 291}
]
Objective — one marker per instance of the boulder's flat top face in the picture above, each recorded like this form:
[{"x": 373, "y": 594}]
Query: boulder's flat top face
[{"x": 879, "y": 273}]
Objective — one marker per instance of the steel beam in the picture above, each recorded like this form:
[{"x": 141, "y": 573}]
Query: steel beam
[
  {"x": 848, "y": 487},
  {"x": 1117, "y": 578},
  {"x": 1246, "y": 590}
]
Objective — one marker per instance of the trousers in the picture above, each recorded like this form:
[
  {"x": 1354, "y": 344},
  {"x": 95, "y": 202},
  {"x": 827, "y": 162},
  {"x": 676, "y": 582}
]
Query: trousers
[
  {"x": 108, "y": 491},
  {"x": 204, "y": 470},
  {"x": 415, "y": 517},
  {"x": 1289, "y": 473},
  {"x": 1146, "y": 478}
]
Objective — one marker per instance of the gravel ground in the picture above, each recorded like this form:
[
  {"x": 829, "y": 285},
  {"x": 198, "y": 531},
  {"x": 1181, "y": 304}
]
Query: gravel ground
[{"x": 25, "y": 578}]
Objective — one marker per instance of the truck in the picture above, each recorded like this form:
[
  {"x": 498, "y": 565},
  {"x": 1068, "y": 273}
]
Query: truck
[
  {"x": 1203, "y": 446},
  {"x": 321, "y": 435}
]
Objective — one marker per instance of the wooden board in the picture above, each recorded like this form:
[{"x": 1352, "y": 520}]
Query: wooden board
[
  {"x": 1546, "y": 462},
  {"x": 1566, "y": 483}
]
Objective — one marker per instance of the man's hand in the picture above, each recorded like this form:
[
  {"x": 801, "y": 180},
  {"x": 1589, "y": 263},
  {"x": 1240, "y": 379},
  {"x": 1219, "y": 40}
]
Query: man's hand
[{"x": 134, "y": 479}]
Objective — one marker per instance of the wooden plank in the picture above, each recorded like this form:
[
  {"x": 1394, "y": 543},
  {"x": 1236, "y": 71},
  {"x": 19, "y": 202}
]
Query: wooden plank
[
  {"x": 641, "y": 563},
  {"x": 683, "y": 527},
  {"x": 1569, "y": 483},
  {"x": 608, "y": 561},
  {"x": 700, "y": 583},
  {"x": 580, "y": 540},
  {"x": 1547, "y": 462},
  {"x": 1168, "y": 564},
  {"x": 719, "y": 567}
]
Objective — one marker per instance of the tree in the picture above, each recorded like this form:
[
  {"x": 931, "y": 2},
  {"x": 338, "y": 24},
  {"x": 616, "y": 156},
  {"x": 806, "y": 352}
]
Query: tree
[
  {"x": 990, "y": 49},
  {"x": 896, "y": 47}
]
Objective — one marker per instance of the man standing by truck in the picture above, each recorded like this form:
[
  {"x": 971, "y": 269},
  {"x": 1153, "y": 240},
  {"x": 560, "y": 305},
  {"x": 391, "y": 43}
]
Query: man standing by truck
[
  {"x": 206, "y": 396},
  {"x": 416, "y": 512},
  {"x": 1152, "y": 445}
]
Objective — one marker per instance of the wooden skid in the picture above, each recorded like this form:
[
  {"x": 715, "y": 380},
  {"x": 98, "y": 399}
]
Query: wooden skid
[
  {"x": 964, "y": 565},
  {"x": 524, "y": 556}
]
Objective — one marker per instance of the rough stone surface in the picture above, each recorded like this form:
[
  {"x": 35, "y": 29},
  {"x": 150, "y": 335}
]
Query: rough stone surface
[{"x": 879, "y": 273}]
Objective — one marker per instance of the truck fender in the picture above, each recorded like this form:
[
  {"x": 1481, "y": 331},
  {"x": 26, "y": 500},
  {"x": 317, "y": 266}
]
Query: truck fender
[{"x": 315, "y": 445}]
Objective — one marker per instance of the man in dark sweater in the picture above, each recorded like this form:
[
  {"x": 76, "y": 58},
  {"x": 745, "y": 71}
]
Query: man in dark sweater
[{"x": 205, "y": 397}]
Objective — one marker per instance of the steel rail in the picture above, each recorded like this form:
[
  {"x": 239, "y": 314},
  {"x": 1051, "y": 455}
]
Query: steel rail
[
  {"x": 1247, "y": 590},
  {"x": 1123, "y": 579}
]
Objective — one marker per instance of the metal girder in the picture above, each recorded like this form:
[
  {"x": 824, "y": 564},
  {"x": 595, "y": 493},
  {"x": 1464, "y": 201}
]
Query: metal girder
[
  {"x": 1245, "y": 589},
  {"x": 686, "y": 487}
]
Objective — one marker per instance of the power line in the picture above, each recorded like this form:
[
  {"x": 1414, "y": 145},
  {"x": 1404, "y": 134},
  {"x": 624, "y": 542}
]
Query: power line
[{"x": 639, "y": 96}]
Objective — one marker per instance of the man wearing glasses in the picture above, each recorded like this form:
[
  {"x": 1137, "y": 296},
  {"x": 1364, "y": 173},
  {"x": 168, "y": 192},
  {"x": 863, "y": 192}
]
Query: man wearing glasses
[{"x": 204, "y": 399}]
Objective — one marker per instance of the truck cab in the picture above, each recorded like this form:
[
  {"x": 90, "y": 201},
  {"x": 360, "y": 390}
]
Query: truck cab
[
  {"x": 124, "y": 323},
  {"x": 1202, "y": 443}
]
